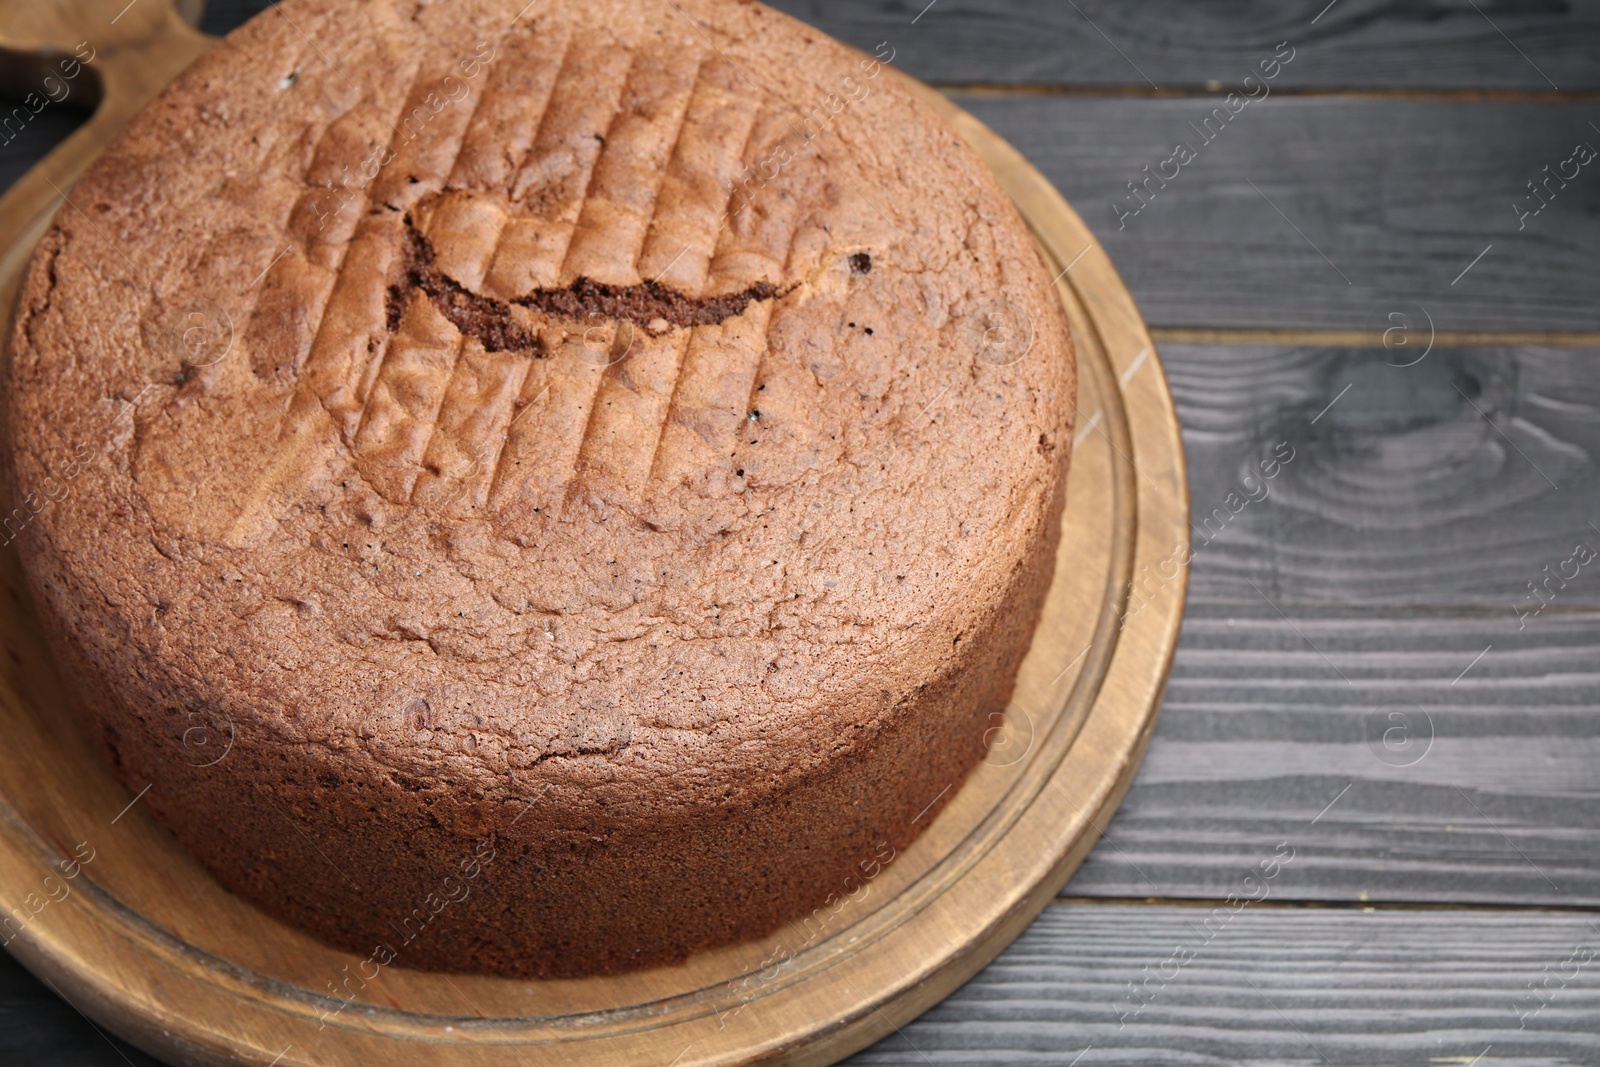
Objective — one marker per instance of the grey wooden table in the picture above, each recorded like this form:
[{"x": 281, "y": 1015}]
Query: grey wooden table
[{"x": 1389, "y": 678}]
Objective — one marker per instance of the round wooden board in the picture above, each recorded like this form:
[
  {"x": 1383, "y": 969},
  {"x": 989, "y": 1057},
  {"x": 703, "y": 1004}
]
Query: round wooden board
[{"x": 142, "y": 940}]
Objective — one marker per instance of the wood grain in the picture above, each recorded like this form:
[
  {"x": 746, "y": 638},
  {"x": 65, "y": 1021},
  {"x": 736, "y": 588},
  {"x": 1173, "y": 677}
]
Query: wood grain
[
  {"x": 1354, "y": 43},
  {"x": 1448, "y": 483},
  {"x": 1484, "y": 793},
  {"x": 1272, "y": 986},
  {"x": 1367, "y": 578},
  {"x": 1329, "y": 212}
]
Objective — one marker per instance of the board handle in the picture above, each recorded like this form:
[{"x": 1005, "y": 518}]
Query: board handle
[{"x": 133, "y": 51}]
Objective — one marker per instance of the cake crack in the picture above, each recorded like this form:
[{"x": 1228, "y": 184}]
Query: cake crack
[{"x": 495, "y": 324}]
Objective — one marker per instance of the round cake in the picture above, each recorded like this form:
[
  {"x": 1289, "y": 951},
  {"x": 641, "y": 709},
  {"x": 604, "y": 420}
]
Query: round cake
[{"x": 538, "y": 490}]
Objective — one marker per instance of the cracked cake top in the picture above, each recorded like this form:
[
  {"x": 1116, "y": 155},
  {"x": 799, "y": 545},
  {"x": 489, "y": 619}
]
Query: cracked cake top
[{"x": 614, "y": 387}]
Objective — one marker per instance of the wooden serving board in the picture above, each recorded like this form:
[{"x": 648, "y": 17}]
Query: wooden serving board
[{"x": 140, "y": 938}]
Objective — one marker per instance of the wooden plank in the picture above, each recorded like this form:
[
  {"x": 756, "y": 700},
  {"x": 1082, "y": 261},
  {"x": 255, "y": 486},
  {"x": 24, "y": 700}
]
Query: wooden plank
[
  {"x": 1365, "y": 43},
  {"x": 1367, "y": 578},
  {"x": 1401, "y": 760},
  {"x": 1272, "y": 986},
  {"x": 1328, "y": 212},
  {"x": 1454, "y": 481}
]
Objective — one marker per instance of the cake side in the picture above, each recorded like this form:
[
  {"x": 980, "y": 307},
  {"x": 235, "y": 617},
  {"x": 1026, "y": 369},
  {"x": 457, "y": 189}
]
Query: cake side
[{"x": 767, "y": 563}]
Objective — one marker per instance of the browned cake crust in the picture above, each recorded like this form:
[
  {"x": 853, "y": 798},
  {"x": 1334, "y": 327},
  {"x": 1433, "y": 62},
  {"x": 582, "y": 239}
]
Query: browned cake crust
[{"x": 539, "y": 494}]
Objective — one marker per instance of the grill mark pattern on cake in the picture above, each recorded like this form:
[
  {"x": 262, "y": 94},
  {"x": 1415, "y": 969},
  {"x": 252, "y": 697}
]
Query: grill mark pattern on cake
[
  {"x": 785, "y": 252},
  {"x": 551, "y": 184},
  {"x": 637, "y": 390},
  {"x": 568, "y": 410},
  {"x": 498, "y": 139},
  {"x": 632, "y": 390},
  {"x": 606, "y": 236},
  {"x": 396, "y": 416},
  {"x": 403, "y": 409},
  {"x": 625, "y": 183},
  {"x": 514, "y": 104},
  {"x": 440, "y": 419},
  {"x": 697, "y": 191},
  {"x": 718, "y": 376},
  {"x": 297, "y": 440},
  {"x": 398, "y": 401},
  {"x": 551, "y": 187},
  {"x": 297, "y": 286}
]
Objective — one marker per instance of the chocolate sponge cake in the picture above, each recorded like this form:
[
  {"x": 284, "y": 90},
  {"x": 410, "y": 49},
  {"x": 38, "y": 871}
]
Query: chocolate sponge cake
[{"x": 538, "y": 490}]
